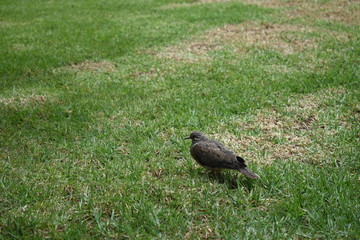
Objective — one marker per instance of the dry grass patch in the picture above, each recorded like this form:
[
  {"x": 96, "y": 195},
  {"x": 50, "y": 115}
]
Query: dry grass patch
[
  {"x": 189, "y": 51},
  {"x": 212, "y": 1},
  {"x": 266, "y": 3},
  {"x": 295, "y": 132},
  {"x": 285, "y": 38},
  {"x": 25, "y": 100},
  {"x": 344, "y": 11},
  {"x": 202, "y": 231},
  {"x": 93, "y": 66},
  {"x": 88, "y": 67},
  {"x": 279, "y": 37},
  {"x": 152, "y": 72},
  {"x": 199, "y": 2}
]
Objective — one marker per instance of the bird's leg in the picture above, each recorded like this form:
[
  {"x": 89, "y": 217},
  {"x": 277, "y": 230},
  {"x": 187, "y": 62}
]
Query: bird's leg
[{"x": 216, "y": 172}]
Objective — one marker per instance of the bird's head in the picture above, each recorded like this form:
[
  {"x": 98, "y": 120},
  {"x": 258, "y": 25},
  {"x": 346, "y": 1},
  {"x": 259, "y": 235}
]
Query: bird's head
[{"x": 196, "y": 136}]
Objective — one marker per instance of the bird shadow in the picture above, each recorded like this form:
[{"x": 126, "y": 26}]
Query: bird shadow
[
  {"x": 227, "y": 178},
  {"x": 223, "y": 179}
]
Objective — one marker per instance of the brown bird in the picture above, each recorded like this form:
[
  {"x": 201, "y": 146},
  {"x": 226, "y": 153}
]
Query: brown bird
[{"x": 213, "y": 155}]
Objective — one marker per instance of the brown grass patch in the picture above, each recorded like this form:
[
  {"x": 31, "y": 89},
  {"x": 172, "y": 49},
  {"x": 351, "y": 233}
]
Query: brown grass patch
[
  {"x": 176, "y": 5},
  {"x": 157, "y": 173},
  {"x": 201, "y": 231},
  {"x": 344, "y": 11},
  {"x": 94, "y": 66},
  {"x": 295, "y": 132},
  {"x": 265, "y": 3},
  {"x": 189, "y": 51},
  {"x": 212, "y": 1},
  {"x": 199, "y": 2},
  {"x": 285, "y": 38},
  {"x": 152, "y": 72},
  {"x": 279, "y": 37},
  {"x": 4, "y": 23},
  {"x": 25, "y": 100}
]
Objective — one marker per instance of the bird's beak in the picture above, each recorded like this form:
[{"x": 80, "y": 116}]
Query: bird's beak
[{"x": 186, "y": 138}]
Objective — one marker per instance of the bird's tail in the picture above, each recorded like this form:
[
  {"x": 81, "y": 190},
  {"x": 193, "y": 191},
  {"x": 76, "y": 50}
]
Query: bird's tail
[{"x": 248, "y": 173}]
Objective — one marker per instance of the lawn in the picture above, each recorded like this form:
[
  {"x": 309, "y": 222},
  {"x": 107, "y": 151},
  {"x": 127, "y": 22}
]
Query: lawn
[{"x": 96, "y": 98}]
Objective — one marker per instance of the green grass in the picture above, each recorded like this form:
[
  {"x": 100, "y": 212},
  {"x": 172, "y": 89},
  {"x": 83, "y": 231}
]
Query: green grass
[{"x": 100, "y": 153}]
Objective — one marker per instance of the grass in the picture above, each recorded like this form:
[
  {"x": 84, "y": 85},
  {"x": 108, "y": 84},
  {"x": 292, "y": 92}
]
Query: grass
[{"x": 96, "y": 98}]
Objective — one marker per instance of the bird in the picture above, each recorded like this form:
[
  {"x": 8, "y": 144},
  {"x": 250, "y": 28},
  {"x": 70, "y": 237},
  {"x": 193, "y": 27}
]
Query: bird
[{"x": 213, "y": 155}]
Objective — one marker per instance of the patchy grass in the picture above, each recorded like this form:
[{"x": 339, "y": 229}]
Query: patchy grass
[
  {"x": 342, "y": 11},
  {"x": 96, "y": 99},
  {"x": 302, "y": 130},
  {"x": 240, "y": 39}
]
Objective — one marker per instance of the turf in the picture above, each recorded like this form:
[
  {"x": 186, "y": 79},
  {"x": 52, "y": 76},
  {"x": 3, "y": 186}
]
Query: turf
[{"x": 96, "y": 98}]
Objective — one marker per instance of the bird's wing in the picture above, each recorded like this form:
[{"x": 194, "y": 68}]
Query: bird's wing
[
  {"x": 221, "y": 146},
  {"x": 239, "y": 159},
  {"x": 214, "y": 155}
]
